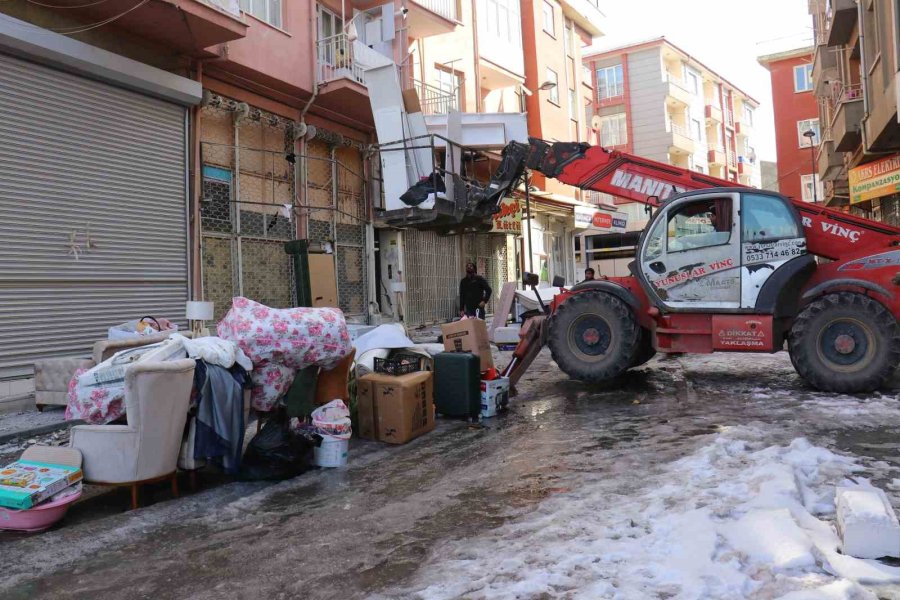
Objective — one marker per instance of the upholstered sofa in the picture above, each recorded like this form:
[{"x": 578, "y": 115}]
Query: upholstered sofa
[{"x": 52, "y": 375}]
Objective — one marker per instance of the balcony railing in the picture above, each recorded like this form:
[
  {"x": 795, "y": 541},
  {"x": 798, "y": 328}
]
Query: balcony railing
[
  {"x": 434, "y": 100},
  {"x": 841, "y": 93},
  {"x": 678, "y": 82},
  {"x": 445, "y": 8},
  {"x": 732, "y": 158},
  {"x": 336, "y": 60},
  {"x": 681, "y": 130},
  {"x": 232, "y": 7}
]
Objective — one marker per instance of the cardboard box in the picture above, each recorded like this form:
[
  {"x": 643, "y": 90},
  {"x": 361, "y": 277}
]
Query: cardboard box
[
  {"x": 469, "y": 335},
  {"x": 395, "y": 409},
  {"x": 41, "y": 480},
  {"x": 494, "y": 396}
]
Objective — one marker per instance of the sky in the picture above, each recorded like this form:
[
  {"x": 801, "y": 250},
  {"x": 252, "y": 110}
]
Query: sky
[{"x": 725, "y": 35}]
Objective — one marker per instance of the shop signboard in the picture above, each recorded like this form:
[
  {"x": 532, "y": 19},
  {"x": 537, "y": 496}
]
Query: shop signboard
[
  {"x": 603, "y": 221},
  {"x": 509, "y": 218},
  {"x": 875, "y": 179}
]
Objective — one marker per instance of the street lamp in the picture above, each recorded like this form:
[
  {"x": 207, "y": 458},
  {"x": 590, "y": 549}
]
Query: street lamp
[
  {"x": 812, "y": 152},
  {"x": 547, "y": 85}
]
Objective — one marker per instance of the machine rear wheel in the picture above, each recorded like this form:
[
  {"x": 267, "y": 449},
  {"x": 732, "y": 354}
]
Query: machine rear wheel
[
  {"x": 645, "y": 349},
  {"x": 593, "y": 337},
  {"x": 845, "y": 342}
]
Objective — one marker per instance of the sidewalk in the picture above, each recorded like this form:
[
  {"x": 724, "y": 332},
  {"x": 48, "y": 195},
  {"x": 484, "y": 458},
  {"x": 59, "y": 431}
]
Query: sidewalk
[{"x": 30, "y": 423}]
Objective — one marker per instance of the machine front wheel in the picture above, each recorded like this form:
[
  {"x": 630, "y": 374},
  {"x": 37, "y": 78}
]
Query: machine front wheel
[
  {"x": 593, "y": 337},
  {"x": 845, "y": 342}
]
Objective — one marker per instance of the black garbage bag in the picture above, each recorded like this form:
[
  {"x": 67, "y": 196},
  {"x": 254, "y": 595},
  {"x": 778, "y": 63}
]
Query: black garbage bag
[
  {"x": 426, "y": 186},
  {"x": 277, "y": 452}
]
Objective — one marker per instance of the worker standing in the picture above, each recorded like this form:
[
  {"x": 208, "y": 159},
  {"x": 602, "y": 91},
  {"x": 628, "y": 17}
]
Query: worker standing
[
  {"x": 474, "y": 293},
  {"x": 588, "y": 275}
]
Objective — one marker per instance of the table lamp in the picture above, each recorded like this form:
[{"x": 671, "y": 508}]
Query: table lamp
[{"x": 197, "y": 313}]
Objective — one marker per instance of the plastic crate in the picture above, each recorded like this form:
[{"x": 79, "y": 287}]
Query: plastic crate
[{"x": 399, "y": 364}]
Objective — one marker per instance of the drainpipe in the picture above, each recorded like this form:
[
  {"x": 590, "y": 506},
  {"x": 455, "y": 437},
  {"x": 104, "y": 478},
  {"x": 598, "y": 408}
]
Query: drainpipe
[
  {"x": 302, "y": 164},
  {"x": 197, "y": 188},
  {"x": 478, "y": 103}
]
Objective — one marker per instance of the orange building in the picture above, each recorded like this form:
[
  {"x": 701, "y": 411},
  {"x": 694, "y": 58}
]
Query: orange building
[{"x": 796, "y": 113}]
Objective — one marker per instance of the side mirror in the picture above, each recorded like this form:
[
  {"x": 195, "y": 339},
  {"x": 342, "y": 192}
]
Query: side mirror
[
  {"x": 531, "y": 279},
  {"x": 559, "y": 281}
]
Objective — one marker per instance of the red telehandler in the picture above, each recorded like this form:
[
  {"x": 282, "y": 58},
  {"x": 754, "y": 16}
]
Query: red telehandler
[{"x": 718, "y": 268}]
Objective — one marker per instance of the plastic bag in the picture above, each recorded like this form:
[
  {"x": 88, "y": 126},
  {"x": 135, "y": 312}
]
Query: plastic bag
[
  {"x": 333, "y": 419},
  {"x": 278, "y": 452}
]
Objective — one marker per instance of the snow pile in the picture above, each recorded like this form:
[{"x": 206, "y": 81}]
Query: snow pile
[{"x": 732, "y": 520}]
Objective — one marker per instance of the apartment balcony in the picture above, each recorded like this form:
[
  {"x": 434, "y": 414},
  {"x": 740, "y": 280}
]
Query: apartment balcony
[
  {"x": 713, "y": 114},
  {"x": 681, "y": 142},
  {"x": 825, "y": 68},
  {"x": 732, "y": 161},
  {"x": 427, "y": 18},
  {"x": 182, "y": 26},
  {"x": 716, "y": 157},
  {"x": 587, "y": 15},
  {"x": 433, "y": 100},
  {"x": 746, "y": 165},
  {"x": 729, "y": 118},
  {"x": 743, "y": 128},
  {"x": 829, "y": 162},
  {"x": 847, "y": 120},
  {"x": 678, "y": 92},
  {"x": 842, "y": 17},
  {"x": 341, "y": 67}
]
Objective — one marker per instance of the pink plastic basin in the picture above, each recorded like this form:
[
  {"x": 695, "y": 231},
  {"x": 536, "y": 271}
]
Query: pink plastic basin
[{"x": 36, "y": 519}]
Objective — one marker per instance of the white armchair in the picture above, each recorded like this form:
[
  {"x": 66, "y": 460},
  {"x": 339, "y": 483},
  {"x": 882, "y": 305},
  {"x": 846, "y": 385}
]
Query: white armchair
[{"x": 157, "y": 396}]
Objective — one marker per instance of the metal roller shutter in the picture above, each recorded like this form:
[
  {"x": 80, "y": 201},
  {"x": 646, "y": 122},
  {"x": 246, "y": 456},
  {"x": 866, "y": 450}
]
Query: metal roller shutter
[{"x": 92, "y": 211}]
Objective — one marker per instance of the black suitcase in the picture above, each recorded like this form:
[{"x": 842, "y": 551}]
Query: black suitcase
[{"x": 457, "y": 384}]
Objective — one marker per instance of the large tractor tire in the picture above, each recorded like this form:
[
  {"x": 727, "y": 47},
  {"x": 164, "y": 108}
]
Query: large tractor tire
[
  {"x": 645, "y": 349},
  {"x": 593, "y": 337},
  {"x": 845, "y": 342}
]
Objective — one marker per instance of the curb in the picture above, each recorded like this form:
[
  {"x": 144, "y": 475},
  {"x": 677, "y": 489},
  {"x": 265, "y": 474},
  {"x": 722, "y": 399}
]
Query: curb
[{"x": 34, "y": 431}]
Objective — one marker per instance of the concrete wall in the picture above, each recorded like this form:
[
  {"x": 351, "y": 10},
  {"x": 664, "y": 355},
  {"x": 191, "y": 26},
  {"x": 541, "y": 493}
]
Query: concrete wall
[{"x": 647, "y": 107}]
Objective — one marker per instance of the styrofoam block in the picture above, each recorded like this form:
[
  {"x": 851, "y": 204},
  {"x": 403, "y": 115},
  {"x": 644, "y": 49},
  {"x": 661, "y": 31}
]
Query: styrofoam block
[
  {"x": 867, "y": 523},
  {"x": 507, "y": 335}
]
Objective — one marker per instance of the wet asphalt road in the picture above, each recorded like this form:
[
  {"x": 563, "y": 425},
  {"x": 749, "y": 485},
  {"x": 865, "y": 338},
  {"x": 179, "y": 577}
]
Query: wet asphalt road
[{"x": 369, "y": 529}]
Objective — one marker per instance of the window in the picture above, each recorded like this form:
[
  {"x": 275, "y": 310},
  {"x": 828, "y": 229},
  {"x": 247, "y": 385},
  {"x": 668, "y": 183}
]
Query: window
[
  {"x": 692, "y": 79},
  {"x": 803, "y": 78},
  {"x": 614, "y": 130},
  {"x": 655, "y": 241},
  {"x": 699, "y": 225},
  {"x": 450, "y": 82},
  {"x": 806, "y": 188},
  {"x": 803, "y": 127},
  {"x": 549, "y": 23},
  {"x": 610, "y": 82},
  {"x": 554, "y": 91},
  {"x": 767, "y": 218},
  {"x": 329, "y": 23},
  {"x": 266, "y": 10},
  {"x": 586, "y": 75},
  {"x": 748, "y": 114},
  {"x": 717, "y": 95},
  {"x": 567, "y": 38},
  {"x": 696, "y": 130},
  {"x": 573, "y": 105}
]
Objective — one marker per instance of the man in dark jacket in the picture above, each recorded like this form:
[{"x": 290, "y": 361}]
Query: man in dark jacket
[{"x": 474, "y": 293}]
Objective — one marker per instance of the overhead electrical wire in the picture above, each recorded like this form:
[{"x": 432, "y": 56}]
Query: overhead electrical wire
[
  {"x": 96, "y": 2},
  {"x": 76, "y": 29}
]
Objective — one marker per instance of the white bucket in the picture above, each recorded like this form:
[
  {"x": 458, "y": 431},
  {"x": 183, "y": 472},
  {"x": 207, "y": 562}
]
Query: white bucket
[{"x": 332, "y": 452}]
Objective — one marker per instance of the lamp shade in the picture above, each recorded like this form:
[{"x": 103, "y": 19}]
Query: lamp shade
[{"x": 198, "y": 311}]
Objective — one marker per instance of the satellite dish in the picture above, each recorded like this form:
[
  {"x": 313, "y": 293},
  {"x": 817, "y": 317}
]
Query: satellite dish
[{"x": 595, "y": 122}]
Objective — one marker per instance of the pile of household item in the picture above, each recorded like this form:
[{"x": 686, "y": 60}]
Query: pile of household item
[
  {"x": 37, "y": 490},
  {"x": 403, "y": 385}
]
